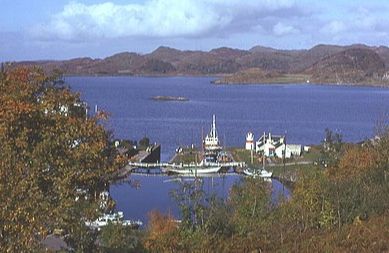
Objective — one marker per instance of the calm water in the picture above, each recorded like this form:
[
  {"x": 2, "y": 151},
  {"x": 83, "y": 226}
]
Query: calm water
[{"x": 301, "y": 111}]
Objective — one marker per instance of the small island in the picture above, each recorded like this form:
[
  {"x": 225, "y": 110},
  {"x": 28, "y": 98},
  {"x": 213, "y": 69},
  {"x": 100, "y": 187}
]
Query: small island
[{"x": 170, "y": 98}]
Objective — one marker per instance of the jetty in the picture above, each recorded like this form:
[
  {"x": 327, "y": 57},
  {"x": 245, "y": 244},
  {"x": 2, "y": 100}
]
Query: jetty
[{"x": 170, "y": 166}]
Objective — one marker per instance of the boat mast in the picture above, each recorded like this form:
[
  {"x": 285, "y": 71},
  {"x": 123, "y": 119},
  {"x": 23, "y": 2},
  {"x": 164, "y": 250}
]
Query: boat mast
[{"x": 202, "y": 144}]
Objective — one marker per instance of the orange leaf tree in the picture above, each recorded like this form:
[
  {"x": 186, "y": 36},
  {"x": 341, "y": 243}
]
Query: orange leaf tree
[{"x": 50, "y": 154}]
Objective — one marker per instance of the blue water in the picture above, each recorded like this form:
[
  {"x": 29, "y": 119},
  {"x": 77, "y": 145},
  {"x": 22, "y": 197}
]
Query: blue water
[
  {"x": 156, "y": 193},
  {"x": 300, "y": 111}
]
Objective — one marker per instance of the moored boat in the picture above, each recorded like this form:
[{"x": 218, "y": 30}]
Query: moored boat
[
  {"x": 195, "y": 169},
  {"x": 115, "y": 218},
  {"x": 257, "y": 173}
]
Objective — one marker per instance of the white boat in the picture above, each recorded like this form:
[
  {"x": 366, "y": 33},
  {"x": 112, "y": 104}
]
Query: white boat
[
  {"x": 195, "y": 169},
  {"x": 115, "y": 218},
  {"x": 258, "y": 173}
]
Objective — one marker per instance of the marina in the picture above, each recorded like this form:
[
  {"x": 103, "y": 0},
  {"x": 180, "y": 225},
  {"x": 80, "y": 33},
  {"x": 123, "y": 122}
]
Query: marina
[
  {"x": 210, "y": 159},
  {"x": 305, "y": 112}
]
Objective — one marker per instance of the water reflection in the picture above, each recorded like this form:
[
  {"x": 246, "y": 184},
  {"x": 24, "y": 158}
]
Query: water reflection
[{"x": 139, "y": 194}]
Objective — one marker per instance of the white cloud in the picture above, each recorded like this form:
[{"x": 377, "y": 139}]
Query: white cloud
[
  {"x": 159, "y": 18},
  {"x": 281, "y": 29},
  {"x": 334, "y": 27}
]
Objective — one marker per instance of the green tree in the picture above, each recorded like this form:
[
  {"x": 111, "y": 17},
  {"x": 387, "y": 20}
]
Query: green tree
[
  {"x": 331, "y": 147},
  {"x": 121, "y": 239},
  {"x": 144, "y": 143},
  {"x": 54, "y": 160},
  {"x": 192, "y": 201}
]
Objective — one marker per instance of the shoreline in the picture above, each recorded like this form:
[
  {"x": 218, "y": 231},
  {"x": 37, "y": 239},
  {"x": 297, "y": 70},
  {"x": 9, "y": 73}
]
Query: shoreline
[
  {"x": 220, "y": 83},
  {"x": 386, "y": 86}
]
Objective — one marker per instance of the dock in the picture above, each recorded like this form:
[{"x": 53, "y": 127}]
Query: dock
[{"x": 167, "y": 166}]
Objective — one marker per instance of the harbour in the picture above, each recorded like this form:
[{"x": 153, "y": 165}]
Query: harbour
[
  {"x": 194, "y": 126},
  {"x": 304, "y": 114}
]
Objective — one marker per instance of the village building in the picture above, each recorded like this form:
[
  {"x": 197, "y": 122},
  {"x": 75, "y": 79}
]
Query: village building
[
  {"x": 292, "y": 150},
  {"x": 275, "y": 146}
]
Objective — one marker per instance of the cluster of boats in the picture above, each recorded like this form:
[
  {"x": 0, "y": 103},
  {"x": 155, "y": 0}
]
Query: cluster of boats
[
  {"x": 210, "y": 163},
  {"x": 214, "y": 160},
  {"x": 114, "y": 218},
  {"x": 204, "y": 167}
]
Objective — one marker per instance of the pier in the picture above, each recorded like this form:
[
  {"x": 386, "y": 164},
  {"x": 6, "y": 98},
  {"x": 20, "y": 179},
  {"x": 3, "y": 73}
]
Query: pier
[
  {"x": 168, "y": 166},
  {"x": 159, "y": 174}
]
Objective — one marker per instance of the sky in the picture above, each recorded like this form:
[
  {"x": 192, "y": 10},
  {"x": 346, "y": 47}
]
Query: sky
[{"x": 64, "y": 29}]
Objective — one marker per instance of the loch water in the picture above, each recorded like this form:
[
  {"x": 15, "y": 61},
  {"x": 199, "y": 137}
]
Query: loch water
[{"x": 302, "y": 112}]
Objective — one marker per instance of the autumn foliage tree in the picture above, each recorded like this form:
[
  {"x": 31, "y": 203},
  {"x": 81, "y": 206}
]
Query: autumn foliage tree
[
  {"x": 54, "y": 161},
  {"x": 161, "y": 233}
]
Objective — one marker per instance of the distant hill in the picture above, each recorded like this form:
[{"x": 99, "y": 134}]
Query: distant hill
[{"x": 355, "y": 63}]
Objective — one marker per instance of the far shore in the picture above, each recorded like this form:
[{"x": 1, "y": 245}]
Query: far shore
[{"x": 218, "y": 80}]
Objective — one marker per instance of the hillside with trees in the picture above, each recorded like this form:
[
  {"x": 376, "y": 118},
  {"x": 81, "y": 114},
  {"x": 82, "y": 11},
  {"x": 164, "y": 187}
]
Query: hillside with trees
[{"x": 370, "y": 65}]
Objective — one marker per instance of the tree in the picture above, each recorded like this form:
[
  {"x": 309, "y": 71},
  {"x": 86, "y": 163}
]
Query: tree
[
  {"x": 331, "y": 147},
  {"x": 162, "y": 233},
  {"x": 311, "y": 200},
  {"x": 355, "y": 161},
  {"x": 359, "y": 185},
  {"x": 120, "y": 239},
  {"x": 144, "y": 143},
  {"x": 50, "y": 154}
]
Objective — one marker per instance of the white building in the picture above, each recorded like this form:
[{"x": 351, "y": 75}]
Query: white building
[
  {"x": 250, "y": 141},
  {"x": 291, "y": 150},
  {"x": 267, "y": 144},
  {"x": 211, "y": 141},
  {"x": 274, "y": 146}
]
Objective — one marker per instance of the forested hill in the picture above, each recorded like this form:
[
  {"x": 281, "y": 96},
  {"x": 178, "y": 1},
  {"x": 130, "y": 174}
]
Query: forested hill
[{"x": 320, "y": 64}]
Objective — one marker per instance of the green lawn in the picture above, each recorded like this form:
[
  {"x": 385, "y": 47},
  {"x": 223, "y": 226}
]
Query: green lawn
[
  {"x": 278, "y": 171},
  {"x": 243, "y": 155}
]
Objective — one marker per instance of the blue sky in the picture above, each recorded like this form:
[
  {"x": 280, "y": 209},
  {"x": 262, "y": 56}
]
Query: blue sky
[{"x": 63, "y": 29}]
